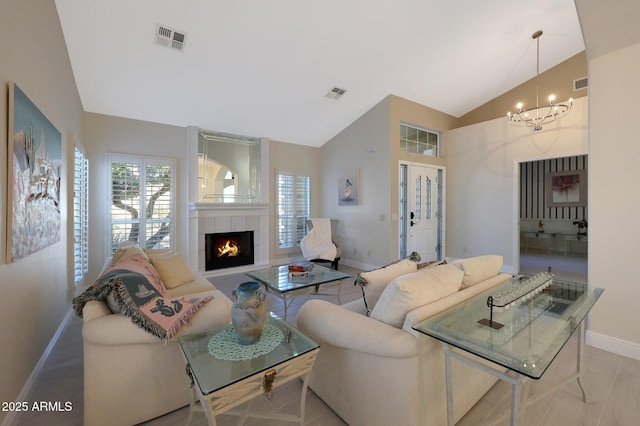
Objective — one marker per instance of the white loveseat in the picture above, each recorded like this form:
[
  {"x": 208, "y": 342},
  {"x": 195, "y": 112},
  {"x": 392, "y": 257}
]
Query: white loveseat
[
  {"x": 377, "y": 370},
  {"x": 130, "y": 375}
]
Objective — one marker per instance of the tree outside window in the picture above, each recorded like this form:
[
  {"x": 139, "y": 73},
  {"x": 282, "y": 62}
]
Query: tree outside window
[{"x": 142, "y": 201}]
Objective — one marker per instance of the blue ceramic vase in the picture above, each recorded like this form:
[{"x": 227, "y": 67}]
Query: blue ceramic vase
[{"x": 249, "y": 311}]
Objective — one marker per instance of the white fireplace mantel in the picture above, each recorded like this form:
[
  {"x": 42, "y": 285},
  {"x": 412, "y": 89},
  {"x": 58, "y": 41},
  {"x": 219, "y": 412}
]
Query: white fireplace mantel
[
  {"x": 226, "y": 217},
  {"x": 205, "y": 218}
]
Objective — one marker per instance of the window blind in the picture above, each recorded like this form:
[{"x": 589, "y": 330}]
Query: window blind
[
  {"x": 80, "y": 216},
  {"x": 293, "y": 208},
  {"x": 142, "y": 201}
]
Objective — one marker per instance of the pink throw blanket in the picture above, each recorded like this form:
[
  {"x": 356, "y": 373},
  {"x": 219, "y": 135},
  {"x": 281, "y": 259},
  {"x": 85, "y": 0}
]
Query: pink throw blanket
[{"x": 140, "y": 294}]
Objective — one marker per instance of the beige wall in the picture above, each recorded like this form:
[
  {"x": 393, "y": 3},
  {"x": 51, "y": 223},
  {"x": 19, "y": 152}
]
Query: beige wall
[
  {"x": 557, "y": 80},
  {"x": 409, "y": 112},
  {"x": 372, "y": 144},
  {"x": 36, "y": 289},
  {"x": 483, "y": 182},
  {"x": 293, "y": 158},
  {"x": 614, "y": 206},
  {"x": 363, "y": 145},
  {"x": 107, "y": 134},
  {"x": 104, "y": 134}
]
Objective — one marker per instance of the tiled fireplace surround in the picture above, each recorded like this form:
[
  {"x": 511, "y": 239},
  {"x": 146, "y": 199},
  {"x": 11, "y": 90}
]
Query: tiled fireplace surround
[{"x": 206, "y": 218}]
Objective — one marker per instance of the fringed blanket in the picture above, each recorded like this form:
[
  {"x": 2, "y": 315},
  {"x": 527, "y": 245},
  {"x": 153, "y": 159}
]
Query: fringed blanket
[{"x": 140, "y": 294}]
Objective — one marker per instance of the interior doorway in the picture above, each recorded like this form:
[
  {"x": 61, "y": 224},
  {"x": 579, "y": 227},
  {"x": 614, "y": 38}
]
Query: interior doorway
[
  {"x": 553, "y": 217},
  {"x": 421, "y": 211}
]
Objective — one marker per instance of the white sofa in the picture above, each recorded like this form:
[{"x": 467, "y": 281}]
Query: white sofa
[
  {"x": 131, "y": 376},
  {"x": 377, "y": 370}
]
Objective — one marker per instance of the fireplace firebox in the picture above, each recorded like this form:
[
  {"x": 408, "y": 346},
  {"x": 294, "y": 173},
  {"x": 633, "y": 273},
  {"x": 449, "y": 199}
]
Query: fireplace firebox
[{"x": 228, "y": 249}]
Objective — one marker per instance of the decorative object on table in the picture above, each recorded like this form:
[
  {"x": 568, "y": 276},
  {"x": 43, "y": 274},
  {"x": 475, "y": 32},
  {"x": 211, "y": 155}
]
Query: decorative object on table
[
  {"x": 516, "y": 294},
  {"x": 301, "y": 266},
  {"x": 299, "y": 277},
  {"x": 249, "y": 312},
  {"x": 300, "y": 272},
  {"x": 348, "y": 187},
  {"x": 225, "y": 346},
  {"x": 34, "y": 162},
  {"x": 538, "y": 115}
]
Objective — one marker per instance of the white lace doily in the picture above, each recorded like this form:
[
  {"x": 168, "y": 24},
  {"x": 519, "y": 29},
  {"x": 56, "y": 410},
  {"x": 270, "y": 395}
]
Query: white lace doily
[{"x": 225, "y": 346}]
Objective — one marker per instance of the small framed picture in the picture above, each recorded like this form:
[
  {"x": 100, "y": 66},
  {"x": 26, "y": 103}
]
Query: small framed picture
[{"x": 348, "y": 187}]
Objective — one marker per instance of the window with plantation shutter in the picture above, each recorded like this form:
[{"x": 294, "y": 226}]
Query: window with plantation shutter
[
  {"x": 293, "y": 208},
  {"x": 80, "y": 216},
  {"x": 142, "y": 201}
]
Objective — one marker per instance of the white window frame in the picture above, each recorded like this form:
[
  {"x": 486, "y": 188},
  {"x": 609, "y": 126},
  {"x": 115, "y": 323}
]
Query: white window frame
[
  {"x": 417, "y": 146},
  {"x": 296, "y": 216},
  {"x": 143, "y": 162},
  {"x": 80, "y": 215}
]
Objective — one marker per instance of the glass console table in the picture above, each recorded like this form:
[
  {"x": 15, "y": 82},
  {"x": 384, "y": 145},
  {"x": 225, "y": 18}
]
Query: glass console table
[{"x": 524, "y": 336}]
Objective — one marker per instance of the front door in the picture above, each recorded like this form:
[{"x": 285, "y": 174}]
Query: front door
[{"x": 423, "y": 212}]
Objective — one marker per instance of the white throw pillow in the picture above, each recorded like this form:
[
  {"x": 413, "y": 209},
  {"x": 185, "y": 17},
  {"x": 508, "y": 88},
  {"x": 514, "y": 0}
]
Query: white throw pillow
[
  {"x": 377, "y": 280},
  {"x": 411, "y": 291},
  {"x": 173, "y": 270},
  {"x": 478, "y": 268}
]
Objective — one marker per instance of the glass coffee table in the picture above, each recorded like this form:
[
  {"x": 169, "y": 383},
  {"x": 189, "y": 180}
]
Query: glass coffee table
[
  {"x": 523, "y": 336},
  {"x": 225, "y": 374},
  {"x": 277, "y": 280}
]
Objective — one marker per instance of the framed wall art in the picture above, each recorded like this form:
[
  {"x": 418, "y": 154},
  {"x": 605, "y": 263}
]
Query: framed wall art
[
  {"x": 566, "y": 189},
  {"x": 349, "y": 187},
  {"x": 34, "y": 158}
]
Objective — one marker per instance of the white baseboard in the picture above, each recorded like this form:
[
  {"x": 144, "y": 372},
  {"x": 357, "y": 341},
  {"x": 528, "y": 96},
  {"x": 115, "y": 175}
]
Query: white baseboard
[
  {"x": 613, "y": 344},
  {"x": 26, "y": 389},
  {"x": 358, "y": 265}
]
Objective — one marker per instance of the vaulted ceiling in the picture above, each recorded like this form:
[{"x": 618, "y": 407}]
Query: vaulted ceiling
[{"x": 263, "y": 68}]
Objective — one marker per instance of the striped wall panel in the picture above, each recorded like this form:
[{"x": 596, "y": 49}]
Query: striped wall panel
[{"x": 533, "y": 179}]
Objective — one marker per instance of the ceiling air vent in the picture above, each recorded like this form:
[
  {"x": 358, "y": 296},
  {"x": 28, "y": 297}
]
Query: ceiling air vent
[
  {"x": 335, "y": 93},
  {"x": 169, "y": 37},
  {"x": 581, "y": 83}
]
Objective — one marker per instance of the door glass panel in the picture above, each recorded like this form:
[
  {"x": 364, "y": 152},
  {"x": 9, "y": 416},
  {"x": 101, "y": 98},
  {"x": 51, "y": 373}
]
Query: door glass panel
[
  {"x": 427, "y": 206},
  {"x": 418, "y": 203}
]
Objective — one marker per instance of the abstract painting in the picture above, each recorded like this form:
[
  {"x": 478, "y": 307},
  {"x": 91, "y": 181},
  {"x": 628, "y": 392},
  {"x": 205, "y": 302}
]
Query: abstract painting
[
  {"x": 34, "y": 178},
  {"x": 566, "y": 189}
]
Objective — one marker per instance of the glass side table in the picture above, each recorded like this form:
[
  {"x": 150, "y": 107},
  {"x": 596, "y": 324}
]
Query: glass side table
[
  {"x": 529, "y": 335},
  {"x": 221, "y": 384}
]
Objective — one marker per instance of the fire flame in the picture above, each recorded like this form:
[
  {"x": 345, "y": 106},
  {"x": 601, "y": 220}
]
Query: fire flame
[{"x": 228, "y": 249}]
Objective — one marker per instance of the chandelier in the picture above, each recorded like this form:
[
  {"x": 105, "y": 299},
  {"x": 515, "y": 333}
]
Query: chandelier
[{"x": 535, "y": 117}]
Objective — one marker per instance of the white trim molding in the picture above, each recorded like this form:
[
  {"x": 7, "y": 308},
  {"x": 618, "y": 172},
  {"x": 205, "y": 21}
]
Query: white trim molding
[{"x": 613, "y": 345}]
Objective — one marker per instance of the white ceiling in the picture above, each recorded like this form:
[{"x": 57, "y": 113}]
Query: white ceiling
[{"x": 263, "y": 68}]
